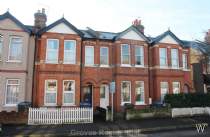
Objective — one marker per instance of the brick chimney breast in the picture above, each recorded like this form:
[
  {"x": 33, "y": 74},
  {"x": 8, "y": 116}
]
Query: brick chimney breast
[{"x": 40, "y": 19}]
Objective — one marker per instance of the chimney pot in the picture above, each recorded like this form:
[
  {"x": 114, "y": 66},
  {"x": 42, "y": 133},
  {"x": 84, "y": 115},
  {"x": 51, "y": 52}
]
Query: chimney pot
[{"x": 40, "y": 19}]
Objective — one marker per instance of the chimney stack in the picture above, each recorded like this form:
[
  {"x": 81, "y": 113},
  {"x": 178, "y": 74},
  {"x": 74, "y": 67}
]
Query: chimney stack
[
  {"x": 137, "y": 24},
  {"x": 207, "y": 37},
  {"x": 40, "y": 19}
]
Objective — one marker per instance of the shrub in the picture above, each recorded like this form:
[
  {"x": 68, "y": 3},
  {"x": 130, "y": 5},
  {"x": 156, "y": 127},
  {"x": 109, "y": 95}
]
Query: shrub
[
  {"x": 128, "y": 106},
  {"x": 188, "y": 100}
]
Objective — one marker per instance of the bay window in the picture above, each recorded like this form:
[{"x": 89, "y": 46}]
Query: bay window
[
  {"x": 125, "y": 92},
  {"x": 104, "y": 56},
  {"x": 89, "y": 55},
  {"x": 163, "y": 57},
  {"x": 69, "y": 52},
  {"x": 176, "y": 87},
  {"x": 163, "y": 90},
  {"x": 15, "y": 49},
  {"x": 68, "y": 92},
  {"x": 139, "y": 55},
  {"x": 1, "y": 45},
  {"x": 174, "y": 58},
  {"x": 52, "y": 51},
  {"x": 140, "y": 92},
  {"x": 12, "y": 91},
  {"x": 50, "y": 92},
  {"x": 184, "y": 61},
  {"x": 125, "y": 54}
]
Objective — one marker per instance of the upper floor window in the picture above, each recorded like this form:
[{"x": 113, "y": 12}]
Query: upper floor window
[
  {"x": 184, "y": 60},
  {"x": 174, "y": 58},
  {"x": 125, "y": 54},
  {"x": 12, "y": 91},
  {"x": 163, "y": 57},
  {"x": 15, "y": 49},
  {"x": 52, "y": 51},
  {"x": 1, "y": 45},
  {"x": 104, "y": 56},
  {"x": 139, "y": 55},
  {"x": 69, "y": 51},
  {"x": 89, "y": 55},
  {"x": 176, "y": 87}
]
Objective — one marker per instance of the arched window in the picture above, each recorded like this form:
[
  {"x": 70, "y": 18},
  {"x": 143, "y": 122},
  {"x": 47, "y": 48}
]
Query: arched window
[
  {"x": 186, "y": 88},
  {"x": 1, "y": 44}
]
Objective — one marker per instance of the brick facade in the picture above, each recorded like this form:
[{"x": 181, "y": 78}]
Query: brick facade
[{"x": 85, "y": 76}]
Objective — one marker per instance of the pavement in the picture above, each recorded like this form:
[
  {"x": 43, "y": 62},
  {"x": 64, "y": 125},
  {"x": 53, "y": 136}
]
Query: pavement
[{"x": 146, "y": 126}]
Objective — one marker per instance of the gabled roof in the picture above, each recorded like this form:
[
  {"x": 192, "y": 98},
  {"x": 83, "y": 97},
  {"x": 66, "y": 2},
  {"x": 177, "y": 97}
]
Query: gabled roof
[
  {"x": 160, "y": 37},
  {"x": 198, "y": 45},
  {"x": 10, "y": 16},
  {"x": 129, "y": 29},
  {"x": 62, "y": 20}
]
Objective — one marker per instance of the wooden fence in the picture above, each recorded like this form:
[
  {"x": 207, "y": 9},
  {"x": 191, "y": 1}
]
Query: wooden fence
[{"x": 42, "y": 116}]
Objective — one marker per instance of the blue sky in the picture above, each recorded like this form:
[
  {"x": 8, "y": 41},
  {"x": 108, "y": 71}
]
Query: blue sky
[{"x": 188, "y": 19}]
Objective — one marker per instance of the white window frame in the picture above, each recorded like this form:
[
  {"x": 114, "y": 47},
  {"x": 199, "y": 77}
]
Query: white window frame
[
  {"x": 46, "y": 59},
  {"x": 142, "y": 56},
  {"x": 140, "y": 102},
  {"x": 104, "y": 65},
  {"x": 7, "y": 91},
  {"x": 165, "y": 65},
  {"x": 70, "y": 52},
  {"x": 1, "y": 41},
  {"x": 73, "y": 92},
  {"x": 184, "y": 61},
  {"x": 161, "y": 89},
  {"x": 176, "y": 82},
  {"x": 123, "y": 102},
  {"x": 129, "y": 64},
  {"x": 91, "y": 56},
  {"x": 172, "y": 58},
  {"x": 50, "y": 104},
  {"x": 10, "y": 42}
]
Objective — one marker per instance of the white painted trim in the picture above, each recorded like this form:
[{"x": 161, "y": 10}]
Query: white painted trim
[
  {"x": 104, "y": 65},
  {"x": 50, "y": 104},
  {"x": 93, "y": 56},
  {"x": 140, "y": 102},
  {"x": 127, "y": 65},
  {"x": 10, "y": 41},
  {"x": 5, "y": 96},
  {"x": 46, "y": 60},
  {"x": 75, "y": 56},
  {"x": 142, "y": 48},
  {"x": 69, "y": 104},
  {"x": 122, "y": 103}
]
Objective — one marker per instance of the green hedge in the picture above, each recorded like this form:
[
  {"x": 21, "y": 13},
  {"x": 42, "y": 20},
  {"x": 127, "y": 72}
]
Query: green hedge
[{"x": 188, "y": 100}]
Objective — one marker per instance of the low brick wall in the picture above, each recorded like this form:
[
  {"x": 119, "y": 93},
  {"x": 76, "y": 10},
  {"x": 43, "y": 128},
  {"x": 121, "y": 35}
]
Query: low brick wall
[{"x": 14, "y": 117}]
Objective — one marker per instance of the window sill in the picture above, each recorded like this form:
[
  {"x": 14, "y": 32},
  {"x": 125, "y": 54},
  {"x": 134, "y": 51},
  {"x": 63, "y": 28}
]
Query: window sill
[
  {"x": 139, "y": 66},
  {"x": 10, "y": 105},
  {"x": 68, "y": 105},
  {"x": 125, "y": 65},
  {"x": 186, "y": 69},
  {"x": 104, "y": 66},
  {"x": 140, "y": 103},
  {"x": 51, "y": 62},
  {"x": 86, "y": 65},
  {"x": 123, "y": 103},
  {"x": 50, "y": 105},
  {"x": 69, "y": 63},
  {"x": 14, "y": 61}
]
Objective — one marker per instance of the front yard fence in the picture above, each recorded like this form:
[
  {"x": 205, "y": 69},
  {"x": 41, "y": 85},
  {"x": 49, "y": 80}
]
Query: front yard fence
[{"x": 44, "y": 116}]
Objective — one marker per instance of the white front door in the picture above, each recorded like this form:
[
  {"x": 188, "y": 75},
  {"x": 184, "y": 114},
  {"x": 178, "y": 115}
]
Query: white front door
[{"x": 104, "y": 96}]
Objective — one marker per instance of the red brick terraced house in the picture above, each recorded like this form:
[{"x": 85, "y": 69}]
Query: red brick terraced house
[{"x": 75, "y": 67}]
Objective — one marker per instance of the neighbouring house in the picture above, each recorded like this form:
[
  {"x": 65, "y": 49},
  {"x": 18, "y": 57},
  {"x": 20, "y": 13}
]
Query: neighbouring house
[
  {"x": 74, "y": 67},
  {"x": 17, "y": 46}
]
